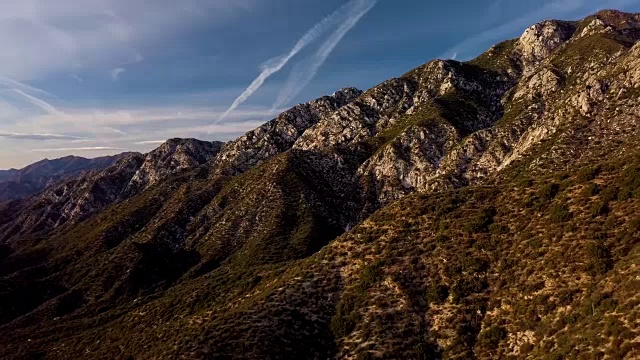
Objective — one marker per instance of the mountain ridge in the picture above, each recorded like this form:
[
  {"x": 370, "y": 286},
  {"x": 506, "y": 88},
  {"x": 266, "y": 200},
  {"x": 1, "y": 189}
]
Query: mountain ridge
[
  {"x": 19, "y": 183},
  {"x": 483, "y": 209}
]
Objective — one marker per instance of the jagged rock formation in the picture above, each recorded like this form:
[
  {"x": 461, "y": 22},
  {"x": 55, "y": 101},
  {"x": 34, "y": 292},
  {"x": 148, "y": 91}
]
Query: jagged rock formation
[
  {"x": 504, "y": 194},
  {"x": 278, "y": 135},
  {"x": 15, "y": 184},
  {"x": 174, "y": 156}
]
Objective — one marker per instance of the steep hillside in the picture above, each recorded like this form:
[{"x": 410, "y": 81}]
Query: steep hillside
[
  {"x": 485, "y": 209},
  {"x": 15, "y": 184}
]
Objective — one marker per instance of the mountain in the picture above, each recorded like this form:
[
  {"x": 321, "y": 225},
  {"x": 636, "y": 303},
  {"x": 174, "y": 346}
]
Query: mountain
[
  {"x": 79, "y": 197},
  {"x": 481, "y": 209},
  {"x": 6, "y": 174},
  {"x": 15, "y": 184}
]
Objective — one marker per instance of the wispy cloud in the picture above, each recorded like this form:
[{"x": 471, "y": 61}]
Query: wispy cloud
[
  {"x": 43, "y": 105},
  {"x": 98, "y": 34},
  {"x": 115, "y": 73},
  {"x": 89, "y": 148},
  {"x": 133, "y": 125},
  {"x": 276, "y": 64},
  {"x": 150, "y": 142},
  {"x": 13, "y": 84},
  {"x": 20, "y": 99},
  {"x": 304, "y": 72},
  {"x": 19, "y": 136}
]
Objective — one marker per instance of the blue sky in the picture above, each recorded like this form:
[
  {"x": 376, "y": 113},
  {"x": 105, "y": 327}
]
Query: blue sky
[{"x": 98, "y": 77}]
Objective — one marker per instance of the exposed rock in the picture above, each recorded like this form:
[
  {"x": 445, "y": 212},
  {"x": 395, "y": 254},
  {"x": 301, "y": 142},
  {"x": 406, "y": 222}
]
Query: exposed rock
[
  {"x": 174, "y": 156},
  {"x": 542, "y": 39},
  {"x": 279, "y": 134}
]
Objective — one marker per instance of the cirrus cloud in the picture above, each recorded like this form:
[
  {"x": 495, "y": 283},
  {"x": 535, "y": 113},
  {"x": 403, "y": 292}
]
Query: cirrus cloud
[{"x": 43, "y": 137}]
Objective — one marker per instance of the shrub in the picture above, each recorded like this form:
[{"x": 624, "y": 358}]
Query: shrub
[
  {"x": 592, "y": 189},
  {"x": 548, "y": 191},
  {"x": 588, "y": 173},
  {"x": 599, "y": 258},
  {"x": 481, "y": 222},
  {"x": 371, "y": 274},
  {"x": 610, "y": 194},
  {"x": 441, "y": 238},
  {"x": 560, "y": 213},
  {"x": 491, "y": 337},
  {"x": 598, "y": 209},
  {"x": 498, "y": 229},
  {"x": 466, "y": 287},
  {"x": 343, "y": 323}
]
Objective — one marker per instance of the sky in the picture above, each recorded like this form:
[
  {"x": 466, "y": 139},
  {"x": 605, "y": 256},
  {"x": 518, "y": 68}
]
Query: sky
[{"x": 100, "y": 77}]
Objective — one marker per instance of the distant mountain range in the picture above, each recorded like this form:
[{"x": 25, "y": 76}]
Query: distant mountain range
[
  {"x": 464, "y": 210},
  {"x": 36, "y": 177}
]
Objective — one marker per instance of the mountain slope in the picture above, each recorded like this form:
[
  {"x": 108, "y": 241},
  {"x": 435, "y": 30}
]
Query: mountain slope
[
  {"x": 15, "y": 184},
  {"x": 5, "y": 174},
  {"x": 487, "y": 209},
  {"x": 79, "y": 197}
]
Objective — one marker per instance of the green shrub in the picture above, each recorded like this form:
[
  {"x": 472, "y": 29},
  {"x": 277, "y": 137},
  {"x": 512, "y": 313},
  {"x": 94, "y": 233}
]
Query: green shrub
[
  {"x": 600, "y": 259},
  {"x": 549, "y": 191},
  {"x": 491, "y": 337},
  {"x": 481, "y": 222},
  {"x": 441, "y": 238},
  {"x": 588, "y": 173},
  {"x": 345, "y": 319},
  {"x": 498, "y": 229},
  {"x": 371, "y": 274},
  {"x": 466, "y": 287},
  {"x": 598, "y": 209},
  {"x": 560, "y": 213},
  {"x": 592, "y": 189},
  {"x": 610, "y": 194}
]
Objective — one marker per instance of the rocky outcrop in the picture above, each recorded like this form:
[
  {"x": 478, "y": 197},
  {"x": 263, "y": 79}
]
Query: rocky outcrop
[
  {"x": 279, "y": 134},
  {"x": 174, "y": 156},
  {"x": 541, "y": 40}
]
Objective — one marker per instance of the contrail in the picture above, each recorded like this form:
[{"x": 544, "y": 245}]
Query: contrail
[
  {"x": 40, "y": 103},
  {"x": 303, "y": 73},
  {"x": 22, "y": 86},
  {"x": 276, "y": 64}
]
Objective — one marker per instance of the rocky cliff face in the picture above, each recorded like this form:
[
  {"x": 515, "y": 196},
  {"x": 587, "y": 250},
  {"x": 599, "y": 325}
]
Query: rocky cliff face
[
  {"x": 504, "y": 194},
  {"x": 278, "y": 135},
  {"x": 174, "y": 156},
  {"x": 450, "y": 124}
]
